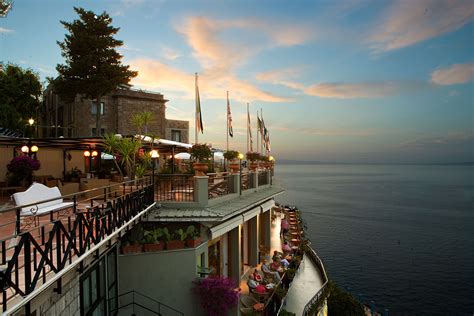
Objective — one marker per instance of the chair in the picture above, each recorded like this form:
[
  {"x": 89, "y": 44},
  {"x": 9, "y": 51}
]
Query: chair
[
  {"x": 246, "y": 311},
  {"x": 261, "y": 297},
  {"x": 248, "y": 301}
]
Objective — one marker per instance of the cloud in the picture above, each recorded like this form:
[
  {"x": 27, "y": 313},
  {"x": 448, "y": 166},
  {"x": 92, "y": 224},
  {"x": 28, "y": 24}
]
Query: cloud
[
  {"x": 170, "y": 54},
  {"x": 361, "y": 90},
  {"x": 455, "y": 139},
  {"x": 4, "y": 30},
  {"x": 409, "y": 22},
  {"x": 156, "y": 75},
  {"x": 281, "y": 77},
  {"x": 455, "y": 74},
  {"x": 324, "y": 132}
]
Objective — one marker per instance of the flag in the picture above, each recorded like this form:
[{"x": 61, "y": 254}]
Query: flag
[
  {"x": 249, "y": 130},
  {"x": 229, "y": 118},
  {"x": 199, "y": 126},
  {"x": 267, "y": 141}
]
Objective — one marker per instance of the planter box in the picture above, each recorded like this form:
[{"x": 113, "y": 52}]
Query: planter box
[
  {"x": 193, "y": 242},
  {"x": 131, "y": 249},
  {"x": 175, "y": 244},
  {"x": 153, "y": 247}
]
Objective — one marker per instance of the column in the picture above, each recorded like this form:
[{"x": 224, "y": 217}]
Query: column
[
  {"x": 201, "y": 189},
  {"x": 235, "y": 183},
  {"x": 254, "y": 241},
  {"x": 234, "y": 259},
  {"x": 266, "y": 218}
]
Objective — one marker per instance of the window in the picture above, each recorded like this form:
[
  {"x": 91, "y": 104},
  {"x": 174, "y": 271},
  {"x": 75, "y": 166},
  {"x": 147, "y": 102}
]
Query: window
[
  {"x": 94, "y": 108},
  {"x": 94, "y": 132},
  {"x": 176, "y": 135},
  {"x": 98, "y": 286}
]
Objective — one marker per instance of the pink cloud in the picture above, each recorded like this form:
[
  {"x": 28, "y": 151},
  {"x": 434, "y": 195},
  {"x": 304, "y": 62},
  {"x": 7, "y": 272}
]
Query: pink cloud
[
  {"x": 282, "y": 76},
  {"x": 455, "y": 74},
  {"x": 409, "y": 22},
  {"x": 158, "y": 76},
  {"x": 355, "y": 90}
]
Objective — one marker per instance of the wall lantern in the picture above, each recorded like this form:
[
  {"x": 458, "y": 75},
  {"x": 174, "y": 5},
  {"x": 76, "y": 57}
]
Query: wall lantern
[{"x": 87, "y": 153}]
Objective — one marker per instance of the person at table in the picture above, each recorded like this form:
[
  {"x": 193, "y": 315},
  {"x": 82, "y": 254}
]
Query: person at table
[
  {"x": 278, "y": 256},
  {"x": 252, "y": 283},
  {"x": 285, "y": 227},
  {"x": 267, "y": 270},
  {"x": 257, "y": 277},
  {"x": 276, "y": 266},
  {"x": 287, "y": 248}
]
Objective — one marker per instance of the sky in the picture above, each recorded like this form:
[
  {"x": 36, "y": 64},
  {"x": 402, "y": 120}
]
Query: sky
[{"x": 337, "y": 81}]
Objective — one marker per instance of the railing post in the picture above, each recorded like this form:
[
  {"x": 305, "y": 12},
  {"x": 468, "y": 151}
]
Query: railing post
[
  {"x": 27, "y": 258},
  {"x": 255, "y": 179},
  {"x": 235, "y": 184},
  {"x": 201, "y": 190},
  {"x": 269, "y": 177},
  {"x": 18, "y": 221}
]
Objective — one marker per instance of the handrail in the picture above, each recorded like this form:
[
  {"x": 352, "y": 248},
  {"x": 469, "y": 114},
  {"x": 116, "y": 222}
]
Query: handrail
[
  {"x": 133, "y": 292},
  {"x": 321, "y": 293}
]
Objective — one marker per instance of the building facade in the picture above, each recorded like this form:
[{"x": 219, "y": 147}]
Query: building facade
[{"x": 78, "y": 119}]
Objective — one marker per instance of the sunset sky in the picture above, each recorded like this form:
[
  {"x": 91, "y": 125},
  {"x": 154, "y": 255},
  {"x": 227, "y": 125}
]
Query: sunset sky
[{"x": 338, "y": 81}]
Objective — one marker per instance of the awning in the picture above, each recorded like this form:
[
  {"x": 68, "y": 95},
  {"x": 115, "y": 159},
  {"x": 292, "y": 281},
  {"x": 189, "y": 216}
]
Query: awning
[
  {"x": 225, "y": 227},
  {"x": 267, "y": 205},
  {"x": 252, "y": 213}
]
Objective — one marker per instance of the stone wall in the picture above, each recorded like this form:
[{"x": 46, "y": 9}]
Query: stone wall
[{"x": 179, "y": 125}]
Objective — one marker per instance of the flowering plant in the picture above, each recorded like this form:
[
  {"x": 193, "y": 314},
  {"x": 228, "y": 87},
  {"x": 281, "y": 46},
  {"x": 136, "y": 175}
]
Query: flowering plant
[
  {"x": 21, "y": 168},
  {"x": 217, "y": 294}
]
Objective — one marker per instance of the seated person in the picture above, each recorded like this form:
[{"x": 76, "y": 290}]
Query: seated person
[
  {"x": 252, "y": 283},
  {"x": 276, "y": 266},
  {"x": 266, "y": 269},
  {"x": 278, "y": 256},
  {"x": 261, "y": 289},
  {"x": 287, "y": 248},
  {"x": 256, "y": 276}
]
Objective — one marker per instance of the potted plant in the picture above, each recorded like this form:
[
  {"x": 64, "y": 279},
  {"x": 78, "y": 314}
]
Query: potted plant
[
  {"x": 72, "y": 175},
  {"x": 20, "y": 170},
  {"x": 231, "y": 156},
  {"x": 193, "y": 239},
  {"x": 152, "y": 240},
  {"x": 130, "y": 243},
  {"x": 201, "y": 154},
  {"x": 253, "y": 157},
  {"x": 177, "y": 241},
  {"x": 217, "y": 294}
]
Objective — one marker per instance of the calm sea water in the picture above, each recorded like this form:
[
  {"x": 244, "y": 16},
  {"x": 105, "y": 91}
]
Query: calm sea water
[{"x": 400, "y": 235}]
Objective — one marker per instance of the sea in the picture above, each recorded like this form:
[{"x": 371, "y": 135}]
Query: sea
[{"x": 399, "y": 237}]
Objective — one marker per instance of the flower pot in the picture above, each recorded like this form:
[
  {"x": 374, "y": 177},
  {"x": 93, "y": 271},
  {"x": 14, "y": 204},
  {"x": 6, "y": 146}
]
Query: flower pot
[
  {"x": 175, "y": 244},
  {"x": 235, "y": 167},
  {"x": 254, "y": 165},
  {"x": 131, "y": 249},
  {"x": 193, "y": 242},
  {"x": 200, "y": 168},
  {"x": 153, "y": 247}
]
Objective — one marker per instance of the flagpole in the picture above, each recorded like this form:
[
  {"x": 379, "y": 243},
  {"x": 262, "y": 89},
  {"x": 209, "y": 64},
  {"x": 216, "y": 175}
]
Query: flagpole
[
  {"x": 248, "y": 127},
  {"x": 261, "y": 132},
  {"x": 258, "y": 117},
  {"x": 196, "y": 110},
  {"x": 227, "y": 115}
]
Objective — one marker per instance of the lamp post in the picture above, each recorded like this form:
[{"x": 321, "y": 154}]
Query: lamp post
[
  {"x": 29, "y": 150},
  {"x": 241, "y": 156},
  {"x": 154, "y": 155}
]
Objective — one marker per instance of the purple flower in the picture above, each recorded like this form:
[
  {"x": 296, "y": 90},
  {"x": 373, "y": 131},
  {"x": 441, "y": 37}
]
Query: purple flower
[
  {"x": 22, "y": 167},
  {"x": 217, "y": 294}
]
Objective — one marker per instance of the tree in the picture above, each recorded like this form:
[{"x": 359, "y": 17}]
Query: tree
[
  {"x": 92, "y": 65},
  {"x": 343, "y": 303},
  {"x": 20, "y": 90}
]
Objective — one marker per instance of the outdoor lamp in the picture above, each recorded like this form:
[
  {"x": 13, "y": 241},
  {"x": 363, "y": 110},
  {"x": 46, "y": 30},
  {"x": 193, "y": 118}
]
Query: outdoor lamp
[
  {"x": 31, "y": 121},
  {"x": 271, "y": 158},
  {"x": 154, "y": 154},
  {"x": 25, "y": 149},
  {"x": 241, "y": 156},
  {"x": 94, "y": 153},
  {"x": 34, "y": 149},
  {"x": 87, "y": 153}
]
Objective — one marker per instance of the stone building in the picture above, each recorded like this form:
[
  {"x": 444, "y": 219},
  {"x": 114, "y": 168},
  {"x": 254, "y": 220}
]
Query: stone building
[{"x": 78, "y": 119}]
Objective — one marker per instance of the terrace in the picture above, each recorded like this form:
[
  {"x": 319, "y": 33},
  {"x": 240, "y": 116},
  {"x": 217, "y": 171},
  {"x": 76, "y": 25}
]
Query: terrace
[{"x": 38, "y": 250}]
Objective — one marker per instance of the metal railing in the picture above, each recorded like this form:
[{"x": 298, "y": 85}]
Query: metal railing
[
  {"x": 317, "y": 299},
  {"x": 30, "y": 256},
  {"x": 140, "y": 303},
  {"x": 174, "y": 187},
  {"x": 248, "y": 181},
  {"x": 220, "y": 185},
  {"x": 263, "y": 177}
]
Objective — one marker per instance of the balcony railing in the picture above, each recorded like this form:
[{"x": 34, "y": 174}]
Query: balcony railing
[
  {"x": 174, "y": 187},
  {"x": 263, "y": 177},
  {"x": 220, "y": 185},
  {"x": 36, "y": 248}
]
